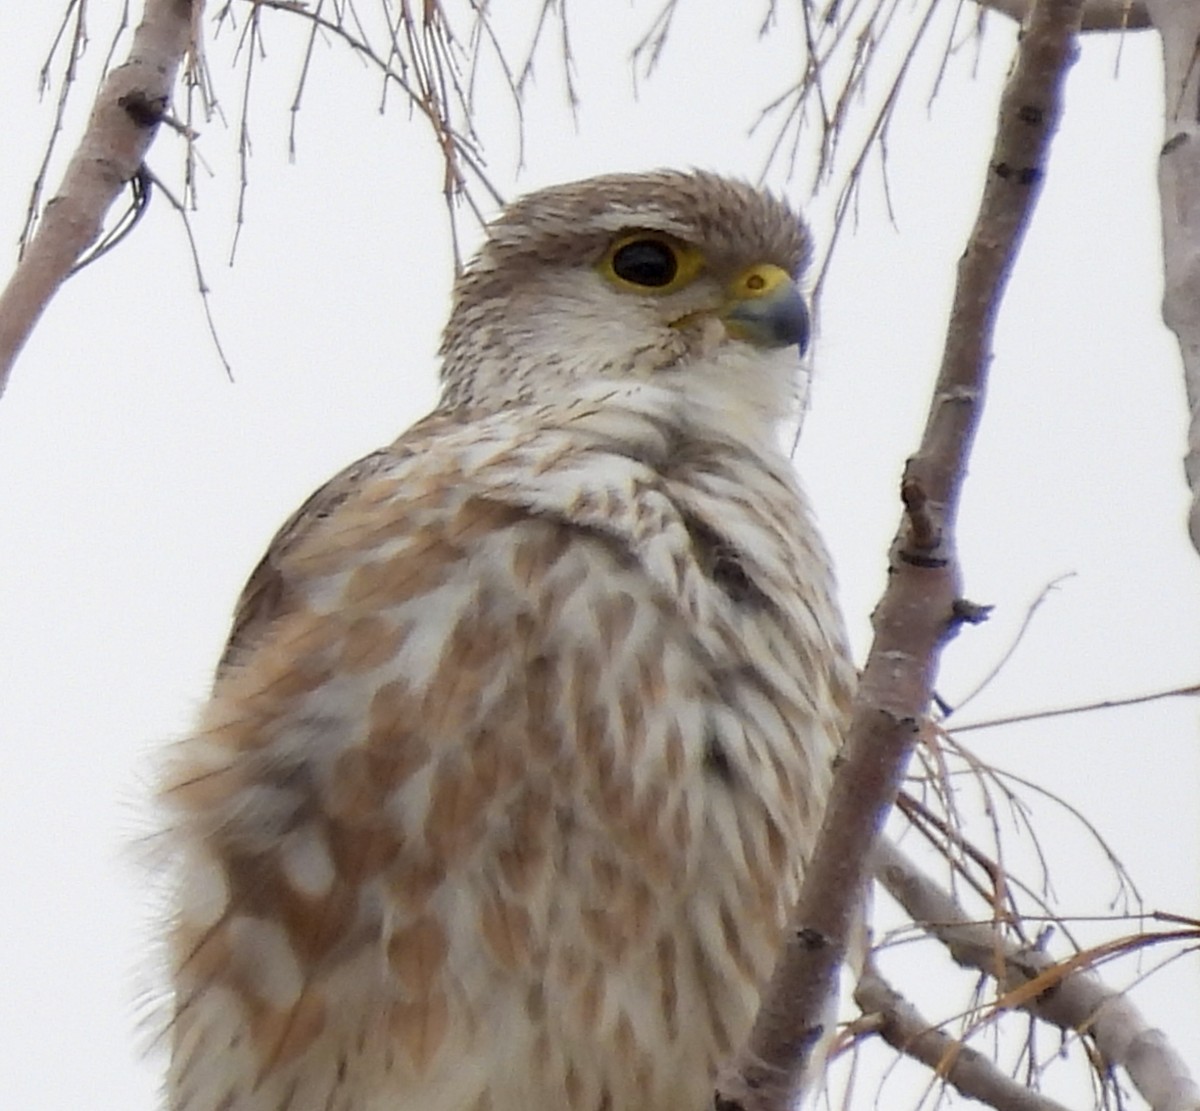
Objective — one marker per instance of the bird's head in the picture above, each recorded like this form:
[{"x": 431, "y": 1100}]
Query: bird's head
[{"x": 683, "y": 280}]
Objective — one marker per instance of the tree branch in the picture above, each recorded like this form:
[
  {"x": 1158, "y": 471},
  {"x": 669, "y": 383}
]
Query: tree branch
[
  {"x": 1178, "y": 22},
  {"x": 122, "y": 126},
  {"x": 1077, "y": 1001},
  {"x": 903, "y": 1027},
  {"x": 921, "y": 607},
  {"x": 1189, "y": 691},
  {"x": 1098, "y": 15}
]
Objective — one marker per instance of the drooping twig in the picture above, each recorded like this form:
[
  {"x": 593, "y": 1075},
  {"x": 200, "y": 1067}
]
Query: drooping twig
[
  {"x": 921, "y": 606},
  {"x": 123, "y": 124},
  {"x": 1010, "y": 651},
  {"x": 202, "y": 286},
  {"x": 421, "y": 57},
  {"x": 74, "y": 17},
  {"x": 1076, "y": 1000}
]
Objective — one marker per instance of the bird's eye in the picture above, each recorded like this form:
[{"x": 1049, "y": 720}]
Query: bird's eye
[{"x": 650, "y": 262}]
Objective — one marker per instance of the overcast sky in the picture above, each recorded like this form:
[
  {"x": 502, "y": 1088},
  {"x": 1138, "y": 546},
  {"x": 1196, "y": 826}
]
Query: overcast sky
[{"x": 140, "y": 485}]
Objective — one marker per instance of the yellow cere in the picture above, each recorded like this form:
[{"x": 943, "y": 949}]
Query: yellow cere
[{"x": 758, "y": 281}]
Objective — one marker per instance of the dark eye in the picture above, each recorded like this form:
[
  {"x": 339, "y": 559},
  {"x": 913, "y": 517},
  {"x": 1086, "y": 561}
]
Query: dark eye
[{"x": 647, "y": 262}]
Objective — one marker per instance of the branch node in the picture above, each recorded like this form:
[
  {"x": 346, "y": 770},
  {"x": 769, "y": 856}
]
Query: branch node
[
  {"x": 966, "y": 612},
  {"x": 1175, "y": 141},
  {"x": 145, "y": 111},
  {"x": 929, "y": 563},
  {"x": 813, "y": 939},
  {"x": 923, "y": 531},
  {"x": 1019, "y": 175}
]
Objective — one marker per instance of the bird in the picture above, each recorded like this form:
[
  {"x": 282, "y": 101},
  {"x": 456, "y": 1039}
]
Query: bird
[{"x": 525, "y": 724}]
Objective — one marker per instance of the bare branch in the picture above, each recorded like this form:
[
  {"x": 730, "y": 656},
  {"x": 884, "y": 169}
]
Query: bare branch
[
  {"x": 123, "y": 124},
  {"x": 875, "y": 134},
  {"x": 74, "y": 52},
  {"x": 921, "y": 607},
  {"x": 423, "y": 59},
  {"x": 986, "y": 777},
  {"x": 903, "y": 1027},
  {"x": 1083, "y": 708},
  {"x": 1178, "y": 23},
  {"x": 140, "y": 190},
  {"x": 648, "y": 50},
  {"x": 202, "y": 286},
  {"x": 1010, "y": 651},
  {"x": 1098, "y": 15},
  {"x": 252, "y": 44},
  {"x": 1073, "y": 999}
]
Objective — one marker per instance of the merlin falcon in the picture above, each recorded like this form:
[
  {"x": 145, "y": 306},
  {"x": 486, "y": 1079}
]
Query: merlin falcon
[{"x": 526, "y": 722}]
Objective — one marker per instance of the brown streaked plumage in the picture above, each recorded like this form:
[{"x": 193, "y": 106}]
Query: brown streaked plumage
[{"x": 525, "y": 725}]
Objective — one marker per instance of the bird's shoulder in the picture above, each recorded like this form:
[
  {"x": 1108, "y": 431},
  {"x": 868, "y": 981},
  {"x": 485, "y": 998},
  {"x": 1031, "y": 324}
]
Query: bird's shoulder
[{"x": 458, "y": 471}]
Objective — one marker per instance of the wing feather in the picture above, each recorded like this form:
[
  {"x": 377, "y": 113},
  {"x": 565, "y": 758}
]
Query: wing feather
[{"x": 407, "y": 653}]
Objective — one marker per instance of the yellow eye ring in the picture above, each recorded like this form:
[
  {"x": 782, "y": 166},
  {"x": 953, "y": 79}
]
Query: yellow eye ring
[{"x": 650, "y": 262}]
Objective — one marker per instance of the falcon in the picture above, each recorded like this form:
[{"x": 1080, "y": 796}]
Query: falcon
[{"x": 526, "y": 722}]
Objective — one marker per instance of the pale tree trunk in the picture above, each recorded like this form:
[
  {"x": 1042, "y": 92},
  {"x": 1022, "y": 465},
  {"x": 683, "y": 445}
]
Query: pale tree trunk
[
  {"x": 1178, "y": 23},
  {"x": 123, "y": 123}
]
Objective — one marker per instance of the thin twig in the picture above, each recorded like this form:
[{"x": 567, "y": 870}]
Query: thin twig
[
  {"x": 1010, "y": 651},
  {"x": 972, "y": 1074},
  {"x": 1065, "y": 994},
  {"x": 140, "y": 189},
  {"x": 75, "y": 51},
  {"x": 1082, "y": 708},
  {"x": 202, "y": 285}
]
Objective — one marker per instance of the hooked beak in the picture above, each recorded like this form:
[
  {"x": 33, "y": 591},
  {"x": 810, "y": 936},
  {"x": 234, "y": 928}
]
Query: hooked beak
[{"x": 765, "y": 308}]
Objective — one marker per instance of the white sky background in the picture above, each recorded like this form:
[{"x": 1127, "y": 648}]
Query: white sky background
[{"x": 140, "y": 486}]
